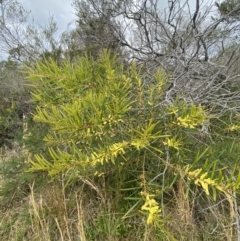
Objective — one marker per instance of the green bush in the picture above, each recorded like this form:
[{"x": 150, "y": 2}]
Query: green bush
[{"x": 109, "y": 129}]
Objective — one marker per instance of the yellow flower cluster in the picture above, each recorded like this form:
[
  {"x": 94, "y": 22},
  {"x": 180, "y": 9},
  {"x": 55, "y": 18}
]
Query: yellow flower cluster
[
  {"x": 174, "y": 143},
  {"x": 234, "y": 128},
  {"x": 190, "y": 116},
  {"x": 152, "y": 207},
  {"x": 203, "y": 181}
]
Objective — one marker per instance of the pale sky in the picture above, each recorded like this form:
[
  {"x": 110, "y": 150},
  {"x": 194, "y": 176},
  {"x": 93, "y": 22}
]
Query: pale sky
[
  {"x": 41, "y": 10},
  {"x": 64, "y": 13}
]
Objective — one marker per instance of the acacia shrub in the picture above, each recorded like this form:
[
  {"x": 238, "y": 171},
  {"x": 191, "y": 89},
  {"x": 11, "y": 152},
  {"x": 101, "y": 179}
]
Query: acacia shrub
[{"x": 107, "y": 128}]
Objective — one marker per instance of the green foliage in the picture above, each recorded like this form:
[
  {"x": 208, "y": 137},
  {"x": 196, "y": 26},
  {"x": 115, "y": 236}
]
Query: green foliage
[
  {"x": 104, "y": 123},
  {"x": 15, "y": 180},
  {"x": 96, "y": 29},
  {"x": 229, "y": 8},
  {"x": 12, "y": 104},
  {"x": 14, "y": 113}
]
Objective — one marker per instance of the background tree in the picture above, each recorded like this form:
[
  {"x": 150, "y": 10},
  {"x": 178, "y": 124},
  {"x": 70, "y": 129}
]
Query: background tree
[
  {"x": 183, "y": 39},
  {"x": 96, "y": 26},
  {"x": 230, "y": 9},
  {"x": 20, "y": 42},
  {"x": 24, "y": 41}
]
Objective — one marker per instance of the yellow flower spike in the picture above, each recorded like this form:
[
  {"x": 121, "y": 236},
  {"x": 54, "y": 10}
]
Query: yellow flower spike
[
  {"x": 203, "y": 176},
  {"x": 194, "y": 173},
  {"x": 194, "y": 117},
  {"x": 205, "y": 187},
  {"x": 234, "y": 127},
  {"x": 173, "y": 142},
  {"x": 202, "y": 180},
  {"x": 151, "y": 206}
]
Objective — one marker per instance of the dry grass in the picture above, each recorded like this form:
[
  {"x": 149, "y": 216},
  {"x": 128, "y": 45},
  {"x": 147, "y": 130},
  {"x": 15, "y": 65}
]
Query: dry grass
[
  {"x": 84, "y": 212},
  {"x": 51, "y": 216}
]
